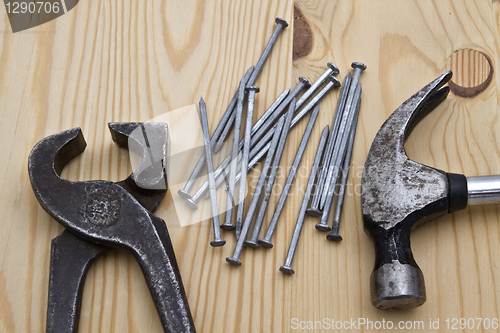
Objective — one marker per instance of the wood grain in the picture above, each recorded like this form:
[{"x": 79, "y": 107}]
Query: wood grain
[{"x": 134, "y": 60}]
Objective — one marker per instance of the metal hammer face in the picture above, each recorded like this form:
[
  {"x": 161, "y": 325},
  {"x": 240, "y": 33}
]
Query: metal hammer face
[{"x": 398, "y": 195}]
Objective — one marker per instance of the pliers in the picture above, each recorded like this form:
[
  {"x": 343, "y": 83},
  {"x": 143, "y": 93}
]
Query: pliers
[{"x": 98, "y": 215}]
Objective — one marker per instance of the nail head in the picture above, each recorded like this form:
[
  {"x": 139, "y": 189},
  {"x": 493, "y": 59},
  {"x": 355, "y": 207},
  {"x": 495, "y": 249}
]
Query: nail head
[
  {"x": 227, "y": 227},
  {"x": 265, "y": 243},
  {"x": 335, "y": 238},
  {"x": 304, "y": 80},
  {"x": 184, "y": 194},
  {"x": 287, "y": 270},
  {"x": 233, "y": 261},
  {"x": 335, "y": 81},
  {"x": 322, "y": 227},
  {"x": 252, "y": 244},
  {"x": 281, "y": 21},
  {"x": 191, "y": 203},
  {"x": 217, "y": 242},
  {"x": 313, "y": 212},
  {"x": 359, "y": 65},
  {"x": 333, "y": 68},
  {"x": 253, "y": 88}
]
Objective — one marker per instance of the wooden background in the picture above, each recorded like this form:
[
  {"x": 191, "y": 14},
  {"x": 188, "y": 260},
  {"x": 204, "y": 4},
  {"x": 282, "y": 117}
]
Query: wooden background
[{"x": 134, "y": 60}]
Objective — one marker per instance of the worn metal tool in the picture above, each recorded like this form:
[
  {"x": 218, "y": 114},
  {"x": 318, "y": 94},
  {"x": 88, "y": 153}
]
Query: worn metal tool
[
  {"x": 99, "y": 215},
  {"x": 399, "y": 195}
]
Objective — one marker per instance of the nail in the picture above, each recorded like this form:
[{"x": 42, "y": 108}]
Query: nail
[
  {"x": 263, "y": 143},
  {"x": 235, "y": 259},
  {"x": 334, "y": 234},
  {"x": 272, "y": 176},
  {"x": 280, "y": 25},
  {"x": 266, "y": 241},
  {"x": 218, "y": 241},
  {"x": 303, "y": 83},
  {"x": 251, "y": 91},
  {"x": 287, "y": 267},
  {"x": 258, "y": 124},
  {"x": 336, "y": 164},
  {"x": 331, "y": 69},
  {"x": 349, "y": 108},
  {"x": 313, "y": 210},
  {"x": 184, "y": 192},
  {"x": 234, "y": 155}
]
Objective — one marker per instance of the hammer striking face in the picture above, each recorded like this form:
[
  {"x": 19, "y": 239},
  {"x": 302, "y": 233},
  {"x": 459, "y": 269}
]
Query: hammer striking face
[{"x": 398, "y": 195}]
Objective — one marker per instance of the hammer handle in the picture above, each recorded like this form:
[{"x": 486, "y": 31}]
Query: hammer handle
[{"x": 484, "y": 190}]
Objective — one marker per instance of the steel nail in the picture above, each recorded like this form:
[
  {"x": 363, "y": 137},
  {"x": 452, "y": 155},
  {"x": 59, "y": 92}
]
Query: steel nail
[
  {"x": 184, "y": 192},
  {"x": 313, "y": 210},
  {"x": 266, "y": 241},
  {"x": 218, "y": 241},
  {"x": 280, "y": 25},
  {"x": 303, "y": 83},
  {"x": 349, "y": 108},
  {"x": 287, "y": 267},
  {"x": 263, "y": 143},
  {"x": 272, "y": 176},
  {"x": 235, "y": 259},
  {"x": 332, "y": 69},
  {"x": 260, "y": 122},
  {"x": 255, "y": 138},
  {"x": 244, "y": 161},
  {"x": 334, "y": 234},
  {"x": 234, "y": 155},
  {"x": 336, "y": 163}
]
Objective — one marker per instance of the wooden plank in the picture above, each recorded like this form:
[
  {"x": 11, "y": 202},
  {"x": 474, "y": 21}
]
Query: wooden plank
[{"x": 131, "y": 61}]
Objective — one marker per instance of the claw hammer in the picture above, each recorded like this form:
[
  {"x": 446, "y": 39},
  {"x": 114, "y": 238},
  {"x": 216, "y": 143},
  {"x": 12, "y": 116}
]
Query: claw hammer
[{"x": 399, "y": 195}]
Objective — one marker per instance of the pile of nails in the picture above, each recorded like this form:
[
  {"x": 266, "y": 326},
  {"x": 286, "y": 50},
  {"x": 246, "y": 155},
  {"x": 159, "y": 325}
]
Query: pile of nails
[{"x": 267, "y": 137}]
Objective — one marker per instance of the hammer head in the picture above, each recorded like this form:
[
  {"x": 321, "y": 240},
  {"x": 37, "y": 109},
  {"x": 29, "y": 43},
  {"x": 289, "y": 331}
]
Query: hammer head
[{"x": 398, "y": 195}]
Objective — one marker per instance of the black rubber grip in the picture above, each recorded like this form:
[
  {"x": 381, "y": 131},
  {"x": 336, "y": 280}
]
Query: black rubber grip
[{"x": 458, "y": 195}]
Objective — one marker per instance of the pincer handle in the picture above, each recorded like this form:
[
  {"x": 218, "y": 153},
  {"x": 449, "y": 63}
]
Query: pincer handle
[{"x": 156, "y": 258}]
